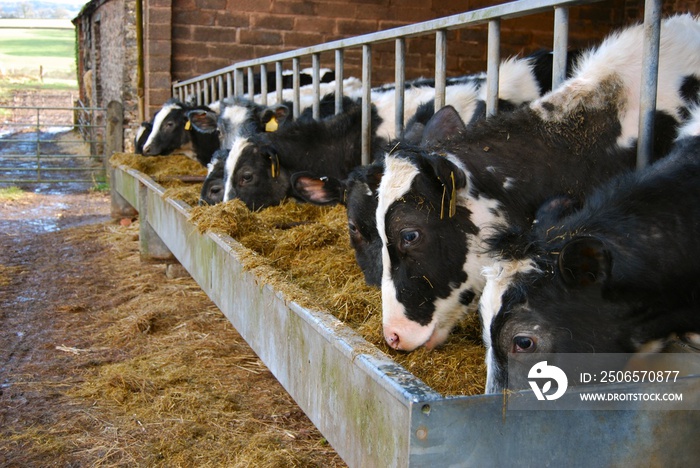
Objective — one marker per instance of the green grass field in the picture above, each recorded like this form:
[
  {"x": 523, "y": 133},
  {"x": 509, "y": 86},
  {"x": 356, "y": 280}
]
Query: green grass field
[{"x": 24, "y": 51}]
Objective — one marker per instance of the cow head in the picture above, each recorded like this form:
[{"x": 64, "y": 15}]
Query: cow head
[
  {"x": 253, "y": 173},
  {"x": 168, "y": 133},
  {"x": 555, "y": 301},
  {"x": 213, "y": 186}
]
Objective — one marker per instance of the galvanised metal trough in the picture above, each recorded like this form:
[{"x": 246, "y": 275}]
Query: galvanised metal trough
[{"x": 373, "y": 411}]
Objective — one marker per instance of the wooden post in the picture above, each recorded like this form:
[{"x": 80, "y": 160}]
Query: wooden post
[
  {"x": 114, "y": 138},
  {"x": 114, "y": 143}
]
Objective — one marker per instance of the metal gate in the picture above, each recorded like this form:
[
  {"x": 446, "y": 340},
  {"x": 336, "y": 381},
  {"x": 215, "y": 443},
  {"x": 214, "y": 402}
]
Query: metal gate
[{"x": 52, "y": 145}]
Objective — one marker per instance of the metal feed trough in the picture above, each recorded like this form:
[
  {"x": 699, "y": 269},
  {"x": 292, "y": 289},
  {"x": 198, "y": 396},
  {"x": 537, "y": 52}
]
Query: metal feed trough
[{"x": 373, "y": 411}]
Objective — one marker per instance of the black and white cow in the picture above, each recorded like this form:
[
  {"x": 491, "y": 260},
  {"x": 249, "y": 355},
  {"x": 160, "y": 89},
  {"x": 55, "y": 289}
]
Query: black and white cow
[
  {"x": 172, "y": 130},
  {"x": 259, "y": 166},
  {"x": 142, "y": 134},
  {"x": 240, "y": 118},
  {"x": 436, "y": 207},
  {"x": 326, "y": 75},
  {"x": 617, "y": 276},
  {"x": 359, "y": 191}
]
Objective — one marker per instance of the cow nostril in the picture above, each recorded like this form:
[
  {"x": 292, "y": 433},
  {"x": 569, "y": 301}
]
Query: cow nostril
[{"x": 393, "y": 340}]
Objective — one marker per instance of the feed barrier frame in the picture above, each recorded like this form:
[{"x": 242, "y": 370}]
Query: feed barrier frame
[
  {"x": 228, "y": 81},
  {"x": 371, "y": 410}
]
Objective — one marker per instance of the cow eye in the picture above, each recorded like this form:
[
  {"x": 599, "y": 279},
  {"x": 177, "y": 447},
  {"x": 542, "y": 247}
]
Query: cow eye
[
  {"x": 352, "y": 228},
  {"x": 409, "y": 237},
  {"x": 524, "y": 344},
  {"x": 246, "y": 178}
]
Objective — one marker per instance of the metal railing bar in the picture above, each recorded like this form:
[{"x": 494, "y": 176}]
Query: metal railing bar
[
  {"x": 263, "y": 84},
  {"x": 366, "y": 101},
  {"x": 650, "y": 70},
  {"x": 278, "y": 79},
  {"x": 440, "y": 68},
  {"x": 493, "y": 64},
  {"x": 251, "y": 84},
  {"x": 296, "y": 101},
  {"x": 339, "y": 73},
  {"x": 400, "y": 80},
  {"x": 561, "y": 41},
  {"x": 316, "y": 84}
]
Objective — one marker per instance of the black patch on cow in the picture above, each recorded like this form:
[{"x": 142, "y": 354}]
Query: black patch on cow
[{"x": 466, "y": 297}]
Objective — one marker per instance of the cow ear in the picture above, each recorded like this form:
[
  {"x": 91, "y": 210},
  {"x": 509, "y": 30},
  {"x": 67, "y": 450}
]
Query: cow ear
[
  {"x": 443, "y": 125},
  {"x": 584, "y": 261},
  {"x": 273, "y": 117},
  {"x": 373, "y": 176},
  {"x": 451, "y": 178},
  {"x": 318, "y": 190},
  {"x": 556, "y": 208},
  {"x": 203, "y": 121}
]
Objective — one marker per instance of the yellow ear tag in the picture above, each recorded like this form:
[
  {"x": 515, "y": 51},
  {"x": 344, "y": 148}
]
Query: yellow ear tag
[
  {"x": 271, "y": 125},
  {"x": 188, "y": 125}
]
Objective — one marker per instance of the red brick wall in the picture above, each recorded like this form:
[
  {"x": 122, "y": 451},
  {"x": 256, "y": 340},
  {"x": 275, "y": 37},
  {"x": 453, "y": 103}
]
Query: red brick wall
[{"x": 205, "y": 35}]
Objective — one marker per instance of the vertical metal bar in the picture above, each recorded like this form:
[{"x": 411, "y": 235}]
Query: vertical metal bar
[
  {"x": 440, "y": 67},
  {"x": 295, "y": 84},
  {"x": 493, "y": 63},
  {"x": 198, "y": 96},
  {"x": 212, "y": 91},
  {"x": 316, "y": 84},
  {"x": 561, "y": 40},
  {"x": 366, "y": 102},
  {"x": 205, "y": 93},
  {"x": 339, "y": 71},
  {"x": 263, "y": 84},
  {"x": 278, "y": 81},
  {"x": 400, "y": 77},
  {"x": 38, "y": 146},
  {"x": 238, "y": 82},
  {"x": 229, "y": 84},
  {"x": 220, "y": 83},
  {"x": 251, "y": 84},
  {"x": 650, "y": 70}
]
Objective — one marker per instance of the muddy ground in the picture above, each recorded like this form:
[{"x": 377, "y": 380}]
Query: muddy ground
[{"x": 105, "y": 361}]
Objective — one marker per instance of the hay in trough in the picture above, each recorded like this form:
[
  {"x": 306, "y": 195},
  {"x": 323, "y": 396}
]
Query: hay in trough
[{"x": 162, "y": 169}]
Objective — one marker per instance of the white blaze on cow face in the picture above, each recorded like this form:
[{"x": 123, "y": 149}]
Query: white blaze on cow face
[
  {"x": 239, "y": 144},
  {"x": 233, "y": 118},
  {"x": 396, "y": 182},
  {"x": 158, "y": 122},
  {"x": 499, "y": 278}
]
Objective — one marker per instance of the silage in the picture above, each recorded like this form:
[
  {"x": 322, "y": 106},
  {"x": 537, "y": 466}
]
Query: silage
[{"x": 304, "y": 251}]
